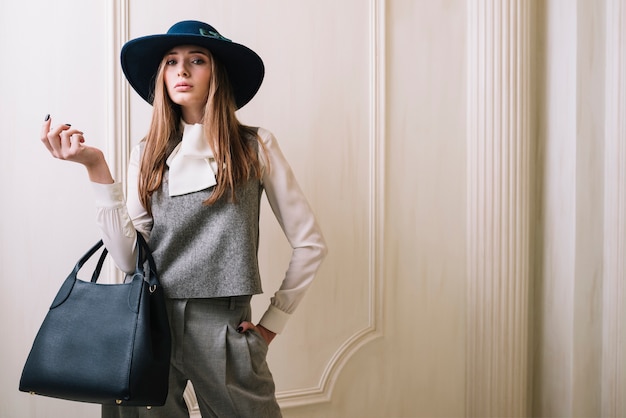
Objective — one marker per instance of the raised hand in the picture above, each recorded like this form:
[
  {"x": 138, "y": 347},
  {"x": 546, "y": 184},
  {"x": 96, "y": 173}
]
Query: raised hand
[{"x": 67, "y": 143}]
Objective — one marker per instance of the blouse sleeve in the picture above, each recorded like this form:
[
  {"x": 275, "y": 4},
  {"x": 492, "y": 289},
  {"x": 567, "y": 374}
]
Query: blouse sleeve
[
  {"x": 120, "y": 219},
  {"x": 301, "y": 229}
]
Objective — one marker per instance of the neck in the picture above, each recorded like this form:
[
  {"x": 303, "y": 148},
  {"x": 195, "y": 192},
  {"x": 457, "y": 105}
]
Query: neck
[{"x": 192, "y": 116}]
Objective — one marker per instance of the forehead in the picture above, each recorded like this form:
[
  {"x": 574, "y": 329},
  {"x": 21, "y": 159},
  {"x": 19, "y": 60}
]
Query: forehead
[{"x": 188, "y": 49}]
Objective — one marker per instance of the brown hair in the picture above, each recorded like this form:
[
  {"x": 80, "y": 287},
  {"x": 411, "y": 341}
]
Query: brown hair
[{"x": 236, "y": 156}]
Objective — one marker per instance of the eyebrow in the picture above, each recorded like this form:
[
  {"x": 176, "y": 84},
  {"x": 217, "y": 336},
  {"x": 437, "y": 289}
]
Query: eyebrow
[{"x": 190, "y": 52}]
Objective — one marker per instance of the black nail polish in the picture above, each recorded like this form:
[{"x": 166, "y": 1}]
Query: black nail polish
[
  {"x": 240, "y": 330},
  {"x": 68, "y": 124},
  {"x": 47, "y": 117}
]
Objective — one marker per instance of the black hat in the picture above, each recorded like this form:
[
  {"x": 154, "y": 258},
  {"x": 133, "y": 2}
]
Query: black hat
[{"x": 141, "y": 58}]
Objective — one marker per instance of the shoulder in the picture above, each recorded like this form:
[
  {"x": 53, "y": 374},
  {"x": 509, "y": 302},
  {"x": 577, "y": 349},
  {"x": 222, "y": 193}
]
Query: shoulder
[
  {"x": 259, "y": 134},
  {"x": 136, "y": 151},
  {"x": 138, "y": 148},
  {"x": 267, "y": 138}
]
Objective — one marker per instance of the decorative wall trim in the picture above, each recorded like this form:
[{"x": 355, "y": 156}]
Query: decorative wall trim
[
  {"x": 118, "y": 98},
  {"x": 119, "y": 149},
  {"x": 118, "y": 110},
  {"x": 614, "y": 298},
  {"x": 374, "y": 329},
  {"x": 498, "y": 208}
]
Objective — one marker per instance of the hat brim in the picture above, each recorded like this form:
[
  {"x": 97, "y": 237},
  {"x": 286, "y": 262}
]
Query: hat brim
[{"x": 141, "y": 58}]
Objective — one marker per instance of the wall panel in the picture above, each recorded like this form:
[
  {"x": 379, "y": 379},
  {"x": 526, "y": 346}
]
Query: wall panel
[
  {"x": 318, "y": 99},
  {"x": 614, "y": 268},
  {"x": 55, "y": 63},
  {"x": 367, "y": 101}
]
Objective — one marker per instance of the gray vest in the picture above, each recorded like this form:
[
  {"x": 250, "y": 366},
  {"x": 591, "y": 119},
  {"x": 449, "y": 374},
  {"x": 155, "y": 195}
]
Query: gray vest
[{"x": 207, "y": 251}]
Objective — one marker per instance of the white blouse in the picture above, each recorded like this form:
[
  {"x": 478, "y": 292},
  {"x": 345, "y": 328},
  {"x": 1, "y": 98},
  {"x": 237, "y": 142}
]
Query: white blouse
[{"x": 119, "y": 219}]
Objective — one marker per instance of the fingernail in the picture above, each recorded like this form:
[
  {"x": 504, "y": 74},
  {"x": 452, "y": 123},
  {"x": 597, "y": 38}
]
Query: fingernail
[
  {"x": 68, "y": 124},
  {"x": 240, "y": 329},
  {"x": 47, "y": 117}
]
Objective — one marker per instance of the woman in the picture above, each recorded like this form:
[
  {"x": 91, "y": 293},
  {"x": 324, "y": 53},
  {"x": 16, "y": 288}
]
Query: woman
[{"x": 194, "y": 189}]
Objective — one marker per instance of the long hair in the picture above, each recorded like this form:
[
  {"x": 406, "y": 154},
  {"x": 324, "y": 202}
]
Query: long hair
[{"x": 236, "y": 156}]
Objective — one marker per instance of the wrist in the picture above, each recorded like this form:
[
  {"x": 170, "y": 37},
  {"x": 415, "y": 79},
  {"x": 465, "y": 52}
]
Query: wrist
[
  {"x": 98, "y": 171},
  {"x": 266, "y": 333}
]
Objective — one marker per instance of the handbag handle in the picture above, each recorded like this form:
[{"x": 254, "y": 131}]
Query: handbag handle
[
  {"x": 143, "y": 253},
  {"x": 96, "y": 272}
]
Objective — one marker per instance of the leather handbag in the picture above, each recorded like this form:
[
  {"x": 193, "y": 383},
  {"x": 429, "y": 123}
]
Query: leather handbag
[{"x": 104, "y": 343}]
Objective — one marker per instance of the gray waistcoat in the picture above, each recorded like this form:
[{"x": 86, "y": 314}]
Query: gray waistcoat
[{"x": 207, "y": 251}]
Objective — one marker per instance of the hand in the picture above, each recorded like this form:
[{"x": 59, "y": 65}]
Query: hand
[
  {"x": 67, "y": 143},
  {"x": 267, "y": 335}
]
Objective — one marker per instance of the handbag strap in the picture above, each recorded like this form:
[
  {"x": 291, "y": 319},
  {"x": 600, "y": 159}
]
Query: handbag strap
[
  {"x": 143, "y": 254},
  {"x": 96, "y": 272},
  {"x": 86, "y": 257}
]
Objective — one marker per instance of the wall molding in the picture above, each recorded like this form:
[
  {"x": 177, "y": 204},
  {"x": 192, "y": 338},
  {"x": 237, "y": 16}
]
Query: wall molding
[
  {"x": 377, "y": 128},
  {"x": 118, "y": 109},
  {"x": 118, "y": 151},
  {"x": 499, "y": 180},
  {"x": 614, "y": 268},
  {"x": 118, "y": 103}
]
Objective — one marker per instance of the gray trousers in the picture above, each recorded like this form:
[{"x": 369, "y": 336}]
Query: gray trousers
[{"x": 227, "y": 369}]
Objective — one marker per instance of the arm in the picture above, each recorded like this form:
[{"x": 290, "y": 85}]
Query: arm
[
  {"x": 113, "y": 216},
  {"x": 120, "y": 220},
  {"x": 298, "y": 222}
]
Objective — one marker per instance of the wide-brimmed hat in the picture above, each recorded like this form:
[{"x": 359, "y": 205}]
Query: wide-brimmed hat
[{"x": 141, "y": 58}]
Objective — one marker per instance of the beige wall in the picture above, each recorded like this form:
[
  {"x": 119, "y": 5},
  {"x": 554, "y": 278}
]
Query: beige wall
[
  {"x": 375, "y": 104},
  {"x": 579, "y": 349},
  {"x": 571, "y": 155}
]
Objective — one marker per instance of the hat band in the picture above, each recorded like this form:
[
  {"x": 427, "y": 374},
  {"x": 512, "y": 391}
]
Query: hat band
[{"x": 212, "y": 34}]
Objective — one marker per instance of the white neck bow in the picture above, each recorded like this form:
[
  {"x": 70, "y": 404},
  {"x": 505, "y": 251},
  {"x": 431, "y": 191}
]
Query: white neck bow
[{"x": 192, "y": 166}]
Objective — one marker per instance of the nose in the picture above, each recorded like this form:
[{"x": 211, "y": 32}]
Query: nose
[{"x": 182, "y": 70}]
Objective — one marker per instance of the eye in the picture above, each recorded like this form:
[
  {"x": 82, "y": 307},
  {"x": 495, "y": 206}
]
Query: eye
[
  {"x": 170, "y": 62},
  {"x": 198, "y": 61}
]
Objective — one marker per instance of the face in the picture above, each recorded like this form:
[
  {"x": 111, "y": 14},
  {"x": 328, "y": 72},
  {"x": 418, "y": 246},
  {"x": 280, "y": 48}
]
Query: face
[{"x": 187, "y": 74}]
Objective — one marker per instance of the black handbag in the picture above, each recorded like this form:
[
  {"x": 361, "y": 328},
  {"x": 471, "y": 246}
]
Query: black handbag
[{"x": 104, "y": 343}]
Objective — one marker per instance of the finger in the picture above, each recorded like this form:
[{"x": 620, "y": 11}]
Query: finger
[
  {"x": 67, "y": 134},
  {"x": 80, "y": 136},
  {"x": 75, "y": 142},
  {"x": 70, "y": 142},
  {"x": 58, "y": 129},
  {"x": 54, "y": 139},
  {"x": 45, "y": 128},
  {"x": 245, "y": 326}
]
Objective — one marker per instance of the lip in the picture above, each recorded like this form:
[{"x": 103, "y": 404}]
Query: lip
[{"x": 183, "y": 86}]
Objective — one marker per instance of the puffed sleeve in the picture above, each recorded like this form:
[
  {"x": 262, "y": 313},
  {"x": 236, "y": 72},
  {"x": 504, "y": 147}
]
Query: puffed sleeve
[{"x": 119, "y": 219}]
